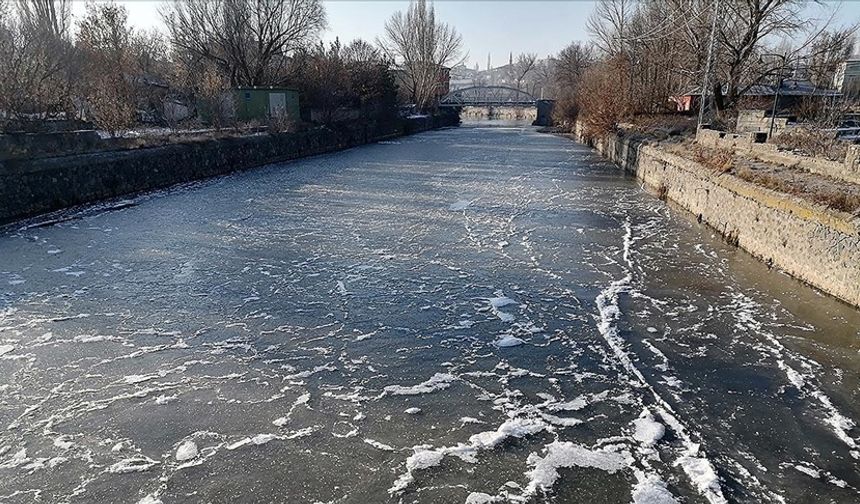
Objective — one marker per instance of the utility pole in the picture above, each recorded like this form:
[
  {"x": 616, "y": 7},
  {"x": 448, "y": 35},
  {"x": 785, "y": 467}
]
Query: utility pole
[
  {"x": 782, "y": 58},
  {"x": 705, "y": 83}
]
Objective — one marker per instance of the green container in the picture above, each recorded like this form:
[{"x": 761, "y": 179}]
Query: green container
[{"x": 261, "y": 103}]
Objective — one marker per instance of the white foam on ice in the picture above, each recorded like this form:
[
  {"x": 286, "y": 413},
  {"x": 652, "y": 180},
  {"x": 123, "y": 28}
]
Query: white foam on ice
[
  {"x": 341, "y": 288},
  {"x": 378, "y": 445},
  {"x": 515, "y": 427},
  {"x": 459, "y": 205},
  {"x": 564, "y": 454},
  {"x": 628, "y": 241},
  {"x": 647, "y": 430},
  {"x": 150, "y": 499},
  {"x": 139, "y": 463},
  {"x": 259, "y": 439},
  {"x": 698, "y": 469},
  {"x": 133, "y": 379},
  {"x": 744, "y": 308},
  {"x": 650, "y": 489},
  {"x": 561, "y": 421},
  {"x": 186, "y": 451},
  {"x": 809, "y": 471},
  {"x": 425, "y": 456},
  {"x": 498, "y": 302},
  {"x": 482, "y": 498},
  {"x": 439, "y": 381},
  {"x": 508, "y": 340},
  {"x": 164, "y": 399}
]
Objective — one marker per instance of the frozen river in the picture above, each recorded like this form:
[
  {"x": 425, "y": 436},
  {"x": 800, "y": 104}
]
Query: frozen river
[{"x": 473, "y": 315}]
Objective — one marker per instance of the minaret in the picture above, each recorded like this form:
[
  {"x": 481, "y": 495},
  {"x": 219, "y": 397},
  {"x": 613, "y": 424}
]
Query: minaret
[
  {"x": 488, "y": 62},
  {"x": 511, "y": 59}
]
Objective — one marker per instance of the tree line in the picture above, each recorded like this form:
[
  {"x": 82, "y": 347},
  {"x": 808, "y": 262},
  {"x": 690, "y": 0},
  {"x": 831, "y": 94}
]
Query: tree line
[
  {"x": 101, "y": 69},
  {"x": 643, "y": 52}
]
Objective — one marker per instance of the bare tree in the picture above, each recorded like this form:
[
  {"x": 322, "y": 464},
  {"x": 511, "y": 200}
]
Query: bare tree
[
  {"x": 570, "y": 67},
  {"x": 423, "y": 47},
  {"x": 522, "y": 67},
  {"x": 249, "y": 41},
  {"x": 609, "y": 24},
  {"x": 743, "y": 27},
  {"x": 827, "y": 53},
  {"x": 105, "y": 41},
  {"x": 571, "y": 63},
  {"x": 50, "y": 17},
  {"x": 543, "y": 80},
  {"x": 38, "y": 65}
]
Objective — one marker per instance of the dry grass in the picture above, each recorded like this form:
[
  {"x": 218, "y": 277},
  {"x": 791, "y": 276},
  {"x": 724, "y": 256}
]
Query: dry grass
[
  {"x": 809, "y": 186},
  {"x": 718, "y": 160},
  {"x": 813, "y": 143},
  {"x": 834, "y": 197}
]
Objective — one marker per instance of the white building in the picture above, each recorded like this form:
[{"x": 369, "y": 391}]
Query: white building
[{"x": 847, "y": 78}]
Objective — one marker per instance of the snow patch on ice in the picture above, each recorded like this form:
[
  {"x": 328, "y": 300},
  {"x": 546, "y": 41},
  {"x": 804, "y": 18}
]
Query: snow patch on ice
[
  {"x": 647, "y": 430},
  {"x": 482, "y": 498},
  {"x": 379, "y": 446},
  {"x": 564, "y": 454},
  {"x": 439, "y": 381},
  {"x": 508, "y": 340},
  {"x": 186, "y": 451},
  {"x": 651, "y": 490}
]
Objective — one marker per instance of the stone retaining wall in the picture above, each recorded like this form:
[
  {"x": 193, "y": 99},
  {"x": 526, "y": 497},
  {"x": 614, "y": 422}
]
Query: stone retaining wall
[
  {"x": 812, "y": 243},
  {"x": 30, "y": 187}
]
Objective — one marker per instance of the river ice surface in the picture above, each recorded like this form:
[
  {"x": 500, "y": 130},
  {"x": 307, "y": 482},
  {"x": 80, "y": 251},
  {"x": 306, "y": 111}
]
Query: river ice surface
[{"x": 471, "y": 315}]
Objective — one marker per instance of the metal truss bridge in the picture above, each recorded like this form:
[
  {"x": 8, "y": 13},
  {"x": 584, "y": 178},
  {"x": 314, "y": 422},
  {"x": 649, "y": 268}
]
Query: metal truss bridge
[{"x": 484, "y": 96}]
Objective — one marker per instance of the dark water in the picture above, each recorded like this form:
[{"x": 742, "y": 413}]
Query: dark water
[{"x": 468, "y": 315}]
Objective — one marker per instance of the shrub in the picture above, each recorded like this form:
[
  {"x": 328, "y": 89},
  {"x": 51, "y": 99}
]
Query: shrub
[{"x": 603, "y": 96}]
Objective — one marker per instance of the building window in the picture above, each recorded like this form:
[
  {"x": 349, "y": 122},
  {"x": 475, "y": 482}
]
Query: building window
[{"x": 247, "y": 95}]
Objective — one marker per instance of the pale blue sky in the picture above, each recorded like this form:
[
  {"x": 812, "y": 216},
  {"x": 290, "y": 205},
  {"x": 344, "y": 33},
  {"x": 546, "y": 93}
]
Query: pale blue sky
[{"x": 487, "y": 26}]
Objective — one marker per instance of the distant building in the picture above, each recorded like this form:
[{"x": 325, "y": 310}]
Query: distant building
[
  {"x": 847, "y": 78},
  {"x": 462, "y": 77},
  {"x": 791, "y": 93}
]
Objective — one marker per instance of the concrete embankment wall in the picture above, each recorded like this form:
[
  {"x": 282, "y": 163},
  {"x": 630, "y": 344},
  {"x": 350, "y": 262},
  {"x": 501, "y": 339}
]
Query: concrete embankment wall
[
  {"x": 30, "y": 187},
  {"x": 810, "y": 242},
  {"x": 524, "y": 113}
]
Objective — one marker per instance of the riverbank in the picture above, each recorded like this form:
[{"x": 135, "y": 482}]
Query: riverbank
[
  {"x": 30, "y": 187},
  {"x": 809, "y": 241}
]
